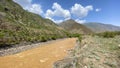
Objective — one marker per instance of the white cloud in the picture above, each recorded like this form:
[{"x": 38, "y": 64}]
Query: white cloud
[
  {"x": 23, "y": 3},
  {"x": 98, "y": 9},
  {"x": 81, "y": 11},
  {"x": 27, "y": 5},
  {"x": 49, "y": 13},
  {"x": 35, "y": 8},
  {"x": 58, "y": 21},
  {"x": 58, "y": 11},
  {"x": 80, "y": 21}
]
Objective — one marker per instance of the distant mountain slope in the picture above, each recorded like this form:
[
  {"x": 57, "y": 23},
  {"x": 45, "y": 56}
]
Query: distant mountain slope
[
  {"x": 99, "y": 27},
  {"x": 18, "y": 25},
  {"x": 75, "y": 27}
]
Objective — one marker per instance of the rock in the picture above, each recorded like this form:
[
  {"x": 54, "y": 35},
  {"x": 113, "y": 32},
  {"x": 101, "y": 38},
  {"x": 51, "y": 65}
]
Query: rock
[
  {"x": 2, "y": 14},
  {"x": 65, "y": 63},
  {"x": 85, "y": 67},
  {"x": 119, "y": 45}
]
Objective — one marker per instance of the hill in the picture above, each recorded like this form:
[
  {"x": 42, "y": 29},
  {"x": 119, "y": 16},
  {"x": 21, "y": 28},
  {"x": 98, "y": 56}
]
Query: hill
[
  {"x": 99, "y": 27},
  {"x": 75, "y": 27},
  {"x": 18, "y": 25}
]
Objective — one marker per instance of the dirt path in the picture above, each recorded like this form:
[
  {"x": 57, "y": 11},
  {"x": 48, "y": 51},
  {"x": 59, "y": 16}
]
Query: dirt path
[{"x": 41, "y": 57}]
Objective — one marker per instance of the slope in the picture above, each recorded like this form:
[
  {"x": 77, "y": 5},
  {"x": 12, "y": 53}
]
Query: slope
[
  {"x": 99, "y": 27},
  {"x": 18, "y": 25},
  {"x": 75, "y": 27}
]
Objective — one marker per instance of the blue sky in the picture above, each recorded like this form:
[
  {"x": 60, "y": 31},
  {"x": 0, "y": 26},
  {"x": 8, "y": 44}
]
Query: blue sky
[{"x": 103, "y": 11}]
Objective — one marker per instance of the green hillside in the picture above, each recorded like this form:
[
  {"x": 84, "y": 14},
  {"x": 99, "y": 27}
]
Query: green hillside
[{"x": 18, "y": 25}]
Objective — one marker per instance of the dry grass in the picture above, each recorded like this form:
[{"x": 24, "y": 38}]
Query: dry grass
[{"x": 96, "y": 52}]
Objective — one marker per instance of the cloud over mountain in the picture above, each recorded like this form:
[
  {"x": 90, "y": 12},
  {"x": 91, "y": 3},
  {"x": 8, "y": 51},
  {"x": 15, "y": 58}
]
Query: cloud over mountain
[
  {"x": 27, "y": 5},
  {"x": 81, "y": 11},
  {"x": 57, "y": 11}
]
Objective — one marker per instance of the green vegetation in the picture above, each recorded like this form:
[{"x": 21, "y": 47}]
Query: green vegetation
[
  {"x": 109, "y": 34},
  {"x": 18, "y": 25},
  {"x": 10, "y": 37},
  {"x": 79, "y": 36}
]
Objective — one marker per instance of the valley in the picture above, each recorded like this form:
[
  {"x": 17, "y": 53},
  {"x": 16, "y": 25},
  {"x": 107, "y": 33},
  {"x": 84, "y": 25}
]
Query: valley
[{"x": 48, "y": 34}]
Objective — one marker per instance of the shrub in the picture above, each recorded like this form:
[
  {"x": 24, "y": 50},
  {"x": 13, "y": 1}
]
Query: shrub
[
  {"x": 107, "y": 34},
  {"x": 80, "y": 38},
  {"x": 73, "y": 35},
  {"x": 1, "y": 34},
  {"x": 53, "y": 38},
  {"x": 43, "y": 39}
]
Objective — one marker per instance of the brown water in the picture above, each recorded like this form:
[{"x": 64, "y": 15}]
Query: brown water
[{"x": 40, "y": 57}]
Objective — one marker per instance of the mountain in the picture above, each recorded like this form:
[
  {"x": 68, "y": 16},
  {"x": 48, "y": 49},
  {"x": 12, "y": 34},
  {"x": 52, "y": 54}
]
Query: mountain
[
  {"x": 99, "y": 27},
  {"x": 74, "y": 27},
  {"x": 18, "y": 25}
]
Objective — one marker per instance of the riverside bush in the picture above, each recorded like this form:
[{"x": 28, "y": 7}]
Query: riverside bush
[{"x": 79, "y": 36}]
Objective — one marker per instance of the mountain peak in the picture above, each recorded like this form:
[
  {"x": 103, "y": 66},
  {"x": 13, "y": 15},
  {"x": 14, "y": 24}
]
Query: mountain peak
[
  {"x": 74, "y": 27},
  {"x": 70, "y": 20}
]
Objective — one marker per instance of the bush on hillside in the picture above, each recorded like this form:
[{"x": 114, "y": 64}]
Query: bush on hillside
[{"x": 43, "y": 39}]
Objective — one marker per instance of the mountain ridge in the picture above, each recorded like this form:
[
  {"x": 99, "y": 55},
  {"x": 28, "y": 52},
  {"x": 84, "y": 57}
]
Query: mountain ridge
[
  {"x": 74, "y": 27},
  {"x": 100, "y": 27}
]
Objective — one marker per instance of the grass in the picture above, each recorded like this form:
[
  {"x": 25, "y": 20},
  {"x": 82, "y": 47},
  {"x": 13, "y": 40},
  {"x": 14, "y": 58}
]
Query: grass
[
  {"x": 11, "y": 37},
  {"x": 110, "y": 64},
  {"x": 97, "y": 52}
]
